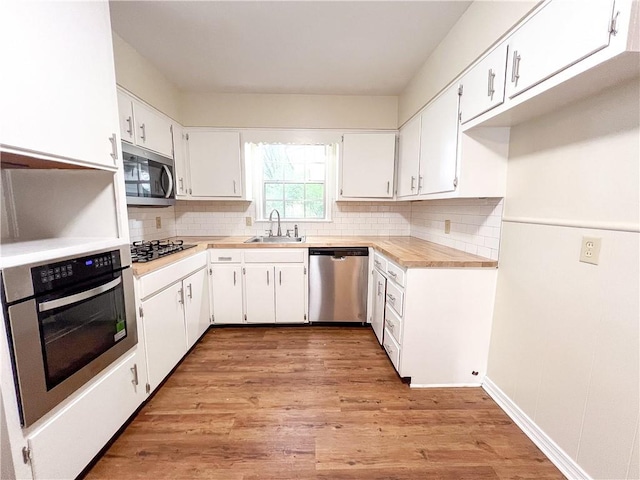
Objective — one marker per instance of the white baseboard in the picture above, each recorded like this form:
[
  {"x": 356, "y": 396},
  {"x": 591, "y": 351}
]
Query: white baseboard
[
  {"x": 558, "y": 457},
  {"x": 444, "y": 385}
]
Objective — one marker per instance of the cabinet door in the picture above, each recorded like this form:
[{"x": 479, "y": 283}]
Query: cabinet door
[
  {"x": 197, "y": 307},
  {"x": 164, "y": 332},
  {"x": 439, "y": 143},
  {"x": 409, "y": 158},
  {"x": 214, "y": 164},
  {"x": 153, "y": 130},
  {"x": 368, "y": 161},
  {"x": 291, "y": 288},
  {"x": 66, "y": 444},
  {"x": 379, "y": 292},
  {"x": 58, "y": 87},
  {"x": 259, "y": 294},
  {"x": 483, "y": 85},
  {"x": 226, "y": 294},
  {"x": 125, "y": 116},
  {"x": 180, "y": 160},
  {"x": 560, "y": 34}
]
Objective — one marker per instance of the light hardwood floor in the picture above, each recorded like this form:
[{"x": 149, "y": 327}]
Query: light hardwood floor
[{"x": 313, "y": 403}]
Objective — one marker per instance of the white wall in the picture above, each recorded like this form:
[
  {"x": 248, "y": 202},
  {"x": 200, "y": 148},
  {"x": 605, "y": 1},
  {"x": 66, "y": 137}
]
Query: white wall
[
  {"x": 565, "y": 341},
  {"x": 136, "y": 74},
  {"x": 482, "y": 25},
  {"x": 289, "y": 111}
]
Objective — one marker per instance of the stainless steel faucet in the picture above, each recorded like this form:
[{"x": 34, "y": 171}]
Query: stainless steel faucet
[{"x": 279, "y": 234}]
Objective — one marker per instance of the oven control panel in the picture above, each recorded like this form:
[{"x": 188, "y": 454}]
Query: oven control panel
[{"x": 61, "y": 274}]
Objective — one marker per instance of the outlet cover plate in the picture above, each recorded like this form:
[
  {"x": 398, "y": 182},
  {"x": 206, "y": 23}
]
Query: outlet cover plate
[
  {"x": 590, "y": 250},
  {"x": 447, "y": 226},
  {"x": 158, "y": 222}
]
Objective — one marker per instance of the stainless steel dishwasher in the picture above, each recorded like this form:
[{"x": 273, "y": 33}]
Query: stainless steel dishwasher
[{"x": 338, "y": 284}]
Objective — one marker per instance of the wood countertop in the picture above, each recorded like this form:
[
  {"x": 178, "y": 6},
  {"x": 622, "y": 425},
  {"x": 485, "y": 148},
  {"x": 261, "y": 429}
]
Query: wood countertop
[{"x": 409, "y": 252}]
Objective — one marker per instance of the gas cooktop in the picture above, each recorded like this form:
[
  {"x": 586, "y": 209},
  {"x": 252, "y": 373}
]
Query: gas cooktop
[{"x": 146, "y": 251}]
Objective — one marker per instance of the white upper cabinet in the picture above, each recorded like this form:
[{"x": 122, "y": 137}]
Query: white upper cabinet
[
  {"x": 58, "y": 87},
  {"x": 215, "y": 165},
  {"x": 144, "y": 126},
  {"x": 557, "y": 36},
  {"x": 153, "y": 130},
  {"x": 439, "y": 143},
  {"x": 409, "y": 158},
  {"x": 368, "y": 163},
  {"x": 180, "y": 159},
  {"x": 483, "y": 85}
]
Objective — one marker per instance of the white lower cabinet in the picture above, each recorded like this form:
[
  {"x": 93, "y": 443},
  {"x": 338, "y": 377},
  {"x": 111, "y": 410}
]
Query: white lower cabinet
[
  {"x": 429, "y": 334},
  {"x": 175, "y": 312},
  {"x": 63, "y": 446},
  {"x": 259, "y": 294},
  {"x": 226, "y": 294},
  {"x": 261, "y": 286}
]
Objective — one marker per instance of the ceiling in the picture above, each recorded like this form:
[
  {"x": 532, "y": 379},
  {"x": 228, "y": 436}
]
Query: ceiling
[{"x": 306, "y": 47}]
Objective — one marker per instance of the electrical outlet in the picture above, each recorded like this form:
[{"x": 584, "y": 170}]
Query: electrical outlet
[
  {"x": 590, "y": 250},
  {"x": 158, "y": 222},
  {"x": 447, "y": 226},
  {"x": 248, "y": 221}
]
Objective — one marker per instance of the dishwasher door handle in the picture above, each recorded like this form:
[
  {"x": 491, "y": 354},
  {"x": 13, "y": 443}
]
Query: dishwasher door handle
[{"x": 338, "y": 259}]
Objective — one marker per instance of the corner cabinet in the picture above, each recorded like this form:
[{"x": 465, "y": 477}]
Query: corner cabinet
[
  {"x": 367, "y": 166},
  {"x": 259, "y": 285},
  {"x": 175, "y": 313},
  {"x": 215, "y": 164},
  {"x": 58, "y": 91}
]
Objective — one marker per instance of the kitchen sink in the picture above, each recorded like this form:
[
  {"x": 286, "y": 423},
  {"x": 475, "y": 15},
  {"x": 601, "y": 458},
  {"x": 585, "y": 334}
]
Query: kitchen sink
[{"x": 275, "y": 239}]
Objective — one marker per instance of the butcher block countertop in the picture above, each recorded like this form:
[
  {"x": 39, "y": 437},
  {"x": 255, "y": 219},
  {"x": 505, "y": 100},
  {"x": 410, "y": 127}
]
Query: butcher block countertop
[{"x": 409, "y": 252}]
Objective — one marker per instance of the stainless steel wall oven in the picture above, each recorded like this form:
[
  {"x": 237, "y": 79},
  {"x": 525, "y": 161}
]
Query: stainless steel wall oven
[{"x": 67, "y": 320}]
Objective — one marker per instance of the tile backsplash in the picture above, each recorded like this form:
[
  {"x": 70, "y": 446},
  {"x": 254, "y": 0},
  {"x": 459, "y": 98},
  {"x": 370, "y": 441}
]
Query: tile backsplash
[{"x": 475, "y": 223}]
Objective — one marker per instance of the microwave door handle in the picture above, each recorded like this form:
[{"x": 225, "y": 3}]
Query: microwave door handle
[
  {"x": 170, "y": 177},
  {"x": 78, "y": 297}
]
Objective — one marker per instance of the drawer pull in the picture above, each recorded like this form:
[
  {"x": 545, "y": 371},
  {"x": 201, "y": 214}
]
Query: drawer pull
[
  {"x": 377, "y": 263},
  {"x": 393, "y": 274},
  {"x": 388, "y": 349},
  {"x": 391, "y": 297},
  {"x": 224, "y": 259}
]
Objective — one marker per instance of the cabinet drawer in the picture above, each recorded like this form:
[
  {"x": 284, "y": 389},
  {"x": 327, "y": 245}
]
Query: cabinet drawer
[
  {"x": 379, "y": 262},
  {"x": 393, "y": 324},
  {"x": 165, "y": 276},
  {"x": 225, "y": 256},
  {"x": 273, "y": 255},
  {"x": 392, "y": 348},
  {"x": 395, "y": 273},
  {"x": 395, "y": 297}
]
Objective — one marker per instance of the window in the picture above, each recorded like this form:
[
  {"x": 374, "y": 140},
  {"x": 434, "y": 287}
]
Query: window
[{"x": 292, "y": 179}]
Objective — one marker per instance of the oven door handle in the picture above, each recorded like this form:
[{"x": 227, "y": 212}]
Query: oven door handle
[{"x": 78, "y": 297}]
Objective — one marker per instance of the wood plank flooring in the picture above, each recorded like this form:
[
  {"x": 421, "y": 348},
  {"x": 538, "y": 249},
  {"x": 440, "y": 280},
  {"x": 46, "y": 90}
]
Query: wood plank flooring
[{"x": 313, "y": 403}]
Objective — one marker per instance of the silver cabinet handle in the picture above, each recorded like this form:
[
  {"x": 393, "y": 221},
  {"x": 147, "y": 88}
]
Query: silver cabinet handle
[
  {"x": 515, "y": 68},
  {"x": 189, "y": 292},
  {"x": 224, "y": 259},
  {"x": 130, "y": 123},
  {"x": 234, "y": 186},
  {"x": 379, "y": 288},
  {"x": 78, "y": 297},
  {"x": 181, "y": 296},
  {"x": 388, "y": 185},
  {"x": 390, "y": 326},
  {"x": 267, "y": 277},
  {"x": 181, "y": 184},
  {"x": 391, "y": 297},
  {"x": 144, "y": 133},
  {"x": 114, "y": 147},
  {"x": 234, "y": 278},
  {"x": 376, "y": 263},
  {"x": 420, "y": 183},
  {"x": 280, "y": 277},
  {"x": 413, "y": 182},
  {"x": 134, "y": 371},
  {"x": 490, "y": 88},
  {"x": 387, "y": 348}
]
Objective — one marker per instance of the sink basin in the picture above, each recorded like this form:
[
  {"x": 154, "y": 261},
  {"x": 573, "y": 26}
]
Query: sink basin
[{"x": 259, "y": 239}]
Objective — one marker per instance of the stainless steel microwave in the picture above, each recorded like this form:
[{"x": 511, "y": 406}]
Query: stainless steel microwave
[{"x": 148, "y": 177}]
